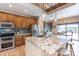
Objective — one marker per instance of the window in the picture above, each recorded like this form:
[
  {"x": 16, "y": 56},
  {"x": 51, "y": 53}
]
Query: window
[
  {"x": 69, "y": 27},
  {"x": 61, "y": 28},
  {"x": 74, "y": 29}
]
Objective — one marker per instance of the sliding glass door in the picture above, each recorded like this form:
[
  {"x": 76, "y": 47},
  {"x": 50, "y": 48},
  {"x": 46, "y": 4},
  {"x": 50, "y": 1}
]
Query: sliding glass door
[
  {"x": 74, "y": 29},
  {"x": 61, "y": 28},
  {"x": 69, "y": 27}
]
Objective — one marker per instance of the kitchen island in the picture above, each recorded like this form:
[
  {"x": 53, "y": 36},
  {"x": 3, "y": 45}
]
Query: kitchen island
[{"x": 43, "y": 46}]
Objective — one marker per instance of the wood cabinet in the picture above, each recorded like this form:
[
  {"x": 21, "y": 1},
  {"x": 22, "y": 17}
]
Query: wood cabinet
[
  {"x": 30, "y": 22},
  {"x": 27, "y": 22},
  {"x": 24, "y": 23},
  {"x": 4, "y": 17},
  {"x": 33, "y": 21},
  {"x": 18, "y": 21},
  {"x": 19, "y": 40},
  {"x": 11, "y": 18}
]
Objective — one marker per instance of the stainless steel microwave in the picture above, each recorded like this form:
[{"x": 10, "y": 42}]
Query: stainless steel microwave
[{"x": 6, "y": 25}]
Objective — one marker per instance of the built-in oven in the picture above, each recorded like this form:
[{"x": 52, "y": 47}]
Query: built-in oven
[
  {"x": 7, "y": 45},
  {"x": 7, "y": 34},
  {"x": 6, "y": 25},
  {"x": 7, "y": 38}
]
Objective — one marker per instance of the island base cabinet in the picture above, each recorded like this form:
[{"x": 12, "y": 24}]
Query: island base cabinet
[{"x": 32, "y": 50}]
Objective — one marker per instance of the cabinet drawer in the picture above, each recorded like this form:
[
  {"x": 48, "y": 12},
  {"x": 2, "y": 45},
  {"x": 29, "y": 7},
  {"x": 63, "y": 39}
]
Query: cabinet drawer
[
  {"x": 19, "y": 43},
  {"x": 18, "y": 38}
]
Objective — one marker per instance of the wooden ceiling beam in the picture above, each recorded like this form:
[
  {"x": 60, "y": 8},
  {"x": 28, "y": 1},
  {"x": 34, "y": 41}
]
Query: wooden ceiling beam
[
  {"x": 40, "y": 5},
  {"x": 61, "y": 7},
  {"x": 55, "y": 6}
]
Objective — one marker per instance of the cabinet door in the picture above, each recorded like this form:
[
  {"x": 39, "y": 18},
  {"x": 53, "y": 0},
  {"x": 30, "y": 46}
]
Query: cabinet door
[
  {"x": 19, "y": 41},
  {"x": 10, "y": 17},
  {"x": 32, "y": 50},
  {"x": 6, "y": 17},
  {"x": 18, "y": 21},
  {"x": 33, "y": 21},
  {"x": 18, "y": 38},
  {"x": 24, "y": 24},
  {"x": 3, "y": 17},
  {"x": 23, "y": 39},
  {"x": 28, "y": 22}
]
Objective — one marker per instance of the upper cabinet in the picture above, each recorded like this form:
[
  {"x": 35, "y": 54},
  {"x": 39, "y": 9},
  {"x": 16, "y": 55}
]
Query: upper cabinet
[
  {"x": 10, "y": 17},
  {"x": 18, "y": 21},
  {"x": 6, "y": 17},
  {"x": 33, "y": 21},
  {"x": 24, "y": 22},
  {"x": 3, "y": 17},
  {"x": 28, "y": 22}
]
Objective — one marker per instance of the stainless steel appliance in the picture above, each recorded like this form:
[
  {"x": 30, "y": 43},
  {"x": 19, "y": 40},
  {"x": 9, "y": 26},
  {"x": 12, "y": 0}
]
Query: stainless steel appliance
[
  {"x": 36, "y": 30},
  {"x": 6, "y": 25},
  {"x": 6, "y": 35}
]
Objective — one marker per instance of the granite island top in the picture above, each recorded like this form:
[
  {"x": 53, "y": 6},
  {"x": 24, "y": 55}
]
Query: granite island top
[
  {"x": 50, "y": 45},
  {"x": 28, "y": 34}
]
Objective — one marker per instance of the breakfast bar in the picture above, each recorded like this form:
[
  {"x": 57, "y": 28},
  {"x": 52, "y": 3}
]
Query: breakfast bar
[{"x": 42, "y": 46}]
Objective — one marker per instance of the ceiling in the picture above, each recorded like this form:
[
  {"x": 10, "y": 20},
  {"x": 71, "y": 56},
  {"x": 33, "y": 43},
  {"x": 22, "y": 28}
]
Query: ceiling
[
  {"x": 44, "y": 5},
  {"x": 19, "y": 9},
  {"x": 49, "y": 6},
  {"x": 26, "y": 9}
]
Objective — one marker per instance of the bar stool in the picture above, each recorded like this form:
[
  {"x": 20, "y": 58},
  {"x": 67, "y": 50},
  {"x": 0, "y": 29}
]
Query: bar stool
[
  {"x": 69, "y": 52},
  {"x": 66, "y": 52}
]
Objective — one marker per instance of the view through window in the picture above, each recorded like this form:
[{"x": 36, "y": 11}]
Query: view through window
[
  {"x": 75, "y": 36},
  {"x": 69, "y": 28}
]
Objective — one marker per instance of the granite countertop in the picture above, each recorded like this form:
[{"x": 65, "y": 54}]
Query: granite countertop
[
  {"x": 23, "y": 34},
  {"x": 50, "y": 45}
]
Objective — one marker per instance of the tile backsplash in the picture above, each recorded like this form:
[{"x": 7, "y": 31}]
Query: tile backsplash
[{"x": 23, "y": 30}]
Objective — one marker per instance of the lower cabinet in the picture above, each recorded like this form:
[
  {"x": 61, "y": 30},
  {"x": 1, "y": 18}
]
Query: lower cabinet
[
  {"x": 18, "y": 43},
  {"x": 19, "y": 40},
  {"x": 32, "y": 50}
]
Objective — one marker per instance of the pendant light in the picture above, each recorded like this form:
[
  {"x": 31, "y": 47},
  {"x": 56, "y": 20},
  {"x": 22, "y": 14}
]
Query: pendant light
[
  {"x": 51, "y": 17},
  {"x": 55, "y": 15},
  {"x": 43, "y": 15}
]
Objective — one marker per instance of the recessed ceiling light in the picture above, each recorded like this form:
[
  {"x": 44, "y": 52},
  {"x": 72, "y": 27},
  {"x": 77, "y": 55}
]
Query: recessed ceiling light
[
  {"x": 10, "y": 5},
  {"x": 51, "y": 18},
  {"x": 25, "y": 10},
  {"x": 43, "y": 15},
  {"x": 35, "y": 14}
]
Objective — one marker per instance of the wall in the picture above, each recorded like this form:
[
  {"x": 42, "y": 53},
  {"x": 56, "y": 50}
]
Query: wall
[
  {"x": 66, "y": 13},
  {"x": 68, "y": 20}
]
